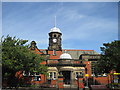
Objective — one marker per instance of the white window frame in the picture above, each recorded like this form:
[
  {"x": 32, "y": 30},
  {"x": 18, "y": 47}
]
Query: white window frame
[
  {"x": 37, "y": 74},
  {"x": 24, "y": 73},
  {"x": 78, "y": 73},
  {"x": 104, "y": 75},
  {"x": 52, "y": 75},
  {"x": 37, "y": 78},
  {"x": 93, "y": 75}
]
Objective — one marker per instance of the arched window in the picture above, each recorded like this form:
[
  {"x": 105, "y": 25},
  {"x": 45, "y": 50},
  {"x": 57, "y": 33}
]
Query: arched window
[
  {"x": 54, "y": 35},
  {"x": 52, "y": 75}
]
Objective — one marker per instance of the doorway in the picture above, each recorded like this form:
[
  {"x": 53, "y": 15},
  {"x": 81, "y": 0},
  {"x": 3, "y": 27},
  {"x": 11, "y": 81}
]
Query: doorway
[{"x": 66, "y": 77}]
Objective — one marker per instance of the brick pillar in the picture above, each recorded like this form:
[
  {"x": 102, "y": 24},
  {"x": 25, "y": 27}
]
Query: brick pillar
[
  {"x": 53, "y": 83},
  {"x": 60, "y": 82},
  {"x": 80, "y": 83}
]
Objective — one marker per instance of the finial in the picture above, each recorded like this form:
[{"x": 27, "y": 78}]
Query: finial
[
  {"x": 65, "y": 51},
  {"x": 55, "y": 22}
]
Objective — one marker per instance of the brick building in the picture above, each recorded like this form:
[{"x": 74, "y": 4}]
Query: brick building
[{"x": 68, "y": 63}]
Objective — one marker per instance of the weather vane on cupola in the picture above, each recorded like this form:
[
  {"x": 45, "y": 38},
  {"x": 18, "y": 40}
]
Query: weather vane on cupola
[
  {"x": 55, "y": 22},
  {"x": 55, "y": 29}
]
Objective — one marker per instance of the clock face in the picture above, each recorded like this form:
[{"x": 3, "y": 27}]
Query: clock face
[{"x": 54, "y": 40}]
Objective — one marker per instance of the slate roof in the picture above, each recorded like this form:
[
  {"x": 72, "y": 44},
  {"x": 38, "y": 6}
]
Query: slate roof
[{"x": 75, "y": 53}]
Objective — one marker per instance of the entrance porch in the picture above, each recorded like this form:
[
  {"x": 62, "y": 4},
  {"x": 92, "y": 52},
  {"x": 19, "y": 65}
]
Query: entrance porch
[{"x": 66, "y": 77}]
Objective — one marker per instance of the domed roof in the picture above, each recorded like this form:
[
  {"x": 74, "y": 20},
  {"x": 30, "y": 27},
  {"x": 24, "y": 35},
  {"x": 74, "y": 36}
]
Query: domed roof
[
  {"x": 55, "y": 29},
  {"x": 65, "y": 56}
]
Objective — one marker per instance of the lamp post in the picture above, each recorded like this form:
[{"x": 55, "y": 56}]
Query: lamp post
[
  {"x": 86, "y": 75},
  {"x": 93, "y": 77}
]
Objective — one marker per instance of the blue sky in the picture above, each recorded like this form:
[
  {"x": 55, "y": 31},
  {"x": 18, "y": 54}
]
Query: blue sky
[{"x": 84, "y": 25}]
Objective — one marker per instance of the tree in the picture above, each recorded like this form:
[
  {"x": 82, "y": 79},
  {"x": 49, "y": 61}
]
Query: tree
[
  {"x": 16, "y": 56},
  {"x": 110, "y": 58}
]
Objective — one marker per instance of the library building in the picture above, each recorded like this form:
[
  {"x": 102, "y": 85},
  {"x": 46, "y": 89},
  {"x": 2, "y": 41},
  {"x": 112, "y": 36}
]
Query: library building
[{"x": 66, "y": 67}]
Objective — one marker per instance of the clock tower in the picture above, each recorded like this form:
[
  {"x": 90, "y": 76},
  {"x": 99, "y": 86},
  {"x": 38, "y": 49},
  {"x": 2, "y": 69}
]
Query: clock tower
[{"x": 55, "y": 39}]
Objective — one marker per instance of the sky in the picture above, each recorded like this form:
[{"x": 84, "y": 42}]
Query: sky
[{"x": 84, "y": 25}]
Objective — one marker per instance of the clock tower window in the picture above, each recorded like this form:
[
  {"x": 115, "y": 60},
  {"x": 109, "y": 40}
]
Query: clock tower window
[{"x": 54, "y": 52}]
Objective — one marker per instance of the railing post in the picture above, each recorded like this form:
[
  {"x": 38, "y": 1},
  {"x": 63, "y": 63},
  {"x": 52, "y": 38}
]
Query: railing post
[
  {"x": 80, "y": 82},
  {"x": 60, "y": 82}
]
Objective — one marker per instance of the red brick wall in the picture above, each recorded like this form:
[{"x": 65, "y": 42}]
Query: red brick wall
[
  {"x": 80, "y": 83},
  {"x": 57, "y": 56},
  {"x": 43, "y": 62},
  {"x": 88, "y": 67},
  {"x": 43, "y": 79},
  {"x": 53, "y": 82},
  {"x": 102, "y": 80},
  {"x": 60, "y": 83},
  {"x": 19, "y": 74}
]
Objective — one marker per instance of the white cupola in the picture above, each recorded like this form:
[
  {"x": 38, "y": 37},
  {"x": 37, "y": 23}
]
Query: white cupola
[
  {"x": 55, "y": 29},
  {"x": 65, "y": 56}
]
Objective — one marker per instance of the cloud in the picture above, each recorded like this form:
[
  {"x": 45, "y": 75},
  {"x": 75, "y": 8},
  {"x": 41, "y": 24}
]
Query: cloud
[
  {"x": 79, "y": 22},
  {"x": 73, "y": 15},
  {"x": 42, "y": 41}
]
